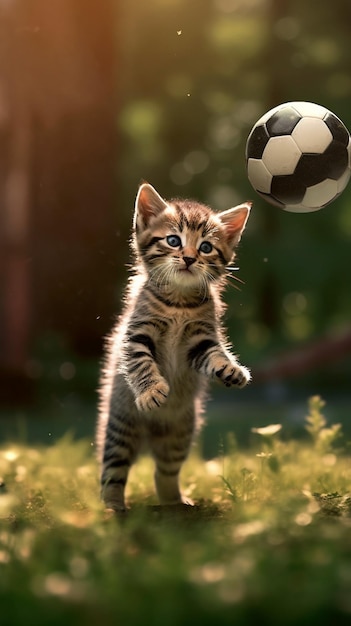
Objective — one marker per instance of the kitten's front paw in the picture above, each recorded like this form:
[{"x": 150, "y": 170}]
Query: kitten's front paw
[
  {"x": 154, "y": 396},
  {"x": 233, "y": 374}
]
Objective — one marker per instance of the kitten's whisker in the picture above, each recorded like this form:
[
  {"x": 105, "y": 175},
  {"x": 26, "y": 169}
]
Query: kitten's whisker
[
  {"x": 235, "y": 286},
  {"x": 159, "y": 274},
  {"x": 163, "y": 275},
  {"x": 235, "y": 278}
]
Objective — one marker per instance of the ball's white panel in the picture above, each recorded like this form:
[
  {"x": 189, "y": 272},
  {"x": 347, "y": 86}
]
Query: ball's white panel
[
  {"x": 309, "y": 109},
  {"x": 319, "y": 195},
  {"x": 259, "y": 176},
  {"x": 300, "y": 208},
  {"x": 343, "y": 180},
  {"x": 281, "y": 155},
  {"x": 312, "y": 135}
]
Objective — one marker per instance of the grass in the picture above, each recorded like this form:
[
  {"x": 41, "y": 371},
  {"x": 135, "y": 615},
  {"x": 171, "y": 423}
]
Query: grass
[{"x": 268, "y": 541}]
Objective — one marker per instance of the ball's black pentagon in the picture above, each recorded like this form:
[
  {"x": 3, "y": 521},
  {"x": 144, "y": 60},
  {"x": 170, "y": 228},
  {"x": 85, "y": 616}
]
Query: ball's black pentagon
[
  {"x": 283, "y": 122},
  {"x": 288, "y": 189},
  {"x": 337, "y": 158},
  {"x": 257, "y": 142},
  {"x": 337, "y": 128},
  {"x": 312, "y": 169}
]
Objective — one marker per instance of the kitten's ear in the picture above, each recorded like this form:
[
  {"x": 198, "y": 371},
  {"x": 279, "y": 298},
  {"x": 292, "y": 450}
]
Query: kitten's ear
[
  {"x": 234, "y": 221},
  {"x": 148, "y": 204}
]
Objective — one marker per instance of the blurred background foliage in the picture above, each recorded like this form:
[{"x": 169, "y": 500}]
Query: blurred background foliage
[
  {"x": 111, "y": 93},
  {"x": 196, "y": 81}
]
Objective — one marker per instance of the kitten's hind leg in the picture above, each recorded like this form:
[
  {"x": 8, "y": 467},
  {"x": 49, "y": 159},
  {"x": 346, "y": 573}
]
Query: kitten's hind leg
[
  {"x": 167, "y": 485},
  {"x": 170, "y": 451},
  {"x": 119, "y": 452}
]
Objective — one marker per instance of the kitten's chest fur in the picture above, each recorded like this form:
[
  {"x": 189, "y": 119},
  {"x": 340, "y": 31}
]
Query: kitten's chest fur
[
  {"x": 175, "y": 326},
  {"x": 170, "y": 349}
]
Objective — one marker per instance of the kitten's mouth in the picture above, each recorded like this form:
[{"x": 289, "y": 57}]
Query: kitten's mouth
[
  {"x": 186, "y": 274},
  {"x": 187, "y": 271}
]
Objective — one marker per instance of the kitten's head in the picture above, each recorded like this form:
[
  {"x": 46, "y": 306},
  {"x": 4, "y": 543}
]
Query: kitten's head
[{"x": 183, "y": 243}]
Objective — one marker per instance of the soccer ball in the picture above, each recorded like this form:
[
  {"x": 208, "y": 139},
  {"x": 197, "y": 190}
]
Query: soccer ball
[{"x": 298, "y": 156}]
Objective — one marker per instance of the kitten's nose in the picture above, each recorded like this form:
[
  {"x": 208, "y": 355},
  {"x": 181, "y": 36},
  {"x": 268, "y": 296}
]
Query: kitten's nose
[{"x": 189, "y": 260}]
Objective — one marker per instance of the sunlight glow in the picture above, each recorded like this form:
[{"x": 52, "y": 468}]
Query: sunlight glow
[{"x": 10, "y": 455}]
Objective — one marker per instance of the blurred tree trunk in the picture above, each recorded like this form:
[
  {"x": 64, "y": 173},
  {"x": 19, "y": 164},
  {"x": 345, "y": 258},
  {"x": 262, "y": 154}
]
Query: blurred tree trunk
[{"x": 57, "y": 113}]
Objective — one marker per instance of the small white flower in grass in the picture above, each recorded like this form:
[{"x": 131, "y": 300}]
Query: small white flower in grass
[
  {"x": 4, "y": 557},
  {"x": 329, "y": 459},
  {"x": 11, "y": 455},
  {"x": 57, "y": 584},
  {"x": 214, "y": 467},
  {"x": 267, "y": 431},
  {"x": 212, "y": 572},
  {"x": 7, "y": 503},
  {"x": 248, "y": 529},
  {"x": 303, "y": 519},
  {"x": 21, "y": 472}
]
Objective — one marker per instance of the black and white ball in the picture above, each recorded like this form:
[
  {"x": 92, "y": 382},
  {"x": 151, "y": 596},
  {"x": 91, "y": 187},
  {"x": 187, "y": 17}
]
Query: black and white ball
[{"x": 298, "y": 156}]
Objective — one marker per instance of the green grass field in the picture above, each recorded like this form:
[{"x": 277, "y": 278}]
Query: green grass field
[{"x": 268, "y": 542}]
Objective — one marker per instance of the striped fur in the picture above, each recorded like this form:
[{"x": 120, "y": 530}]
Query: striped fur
[{"x": 168, "y": 341}]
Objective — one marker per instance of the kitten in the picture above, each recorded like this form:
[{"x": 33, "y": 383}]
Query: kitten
[{"x": 168, "y": 341}]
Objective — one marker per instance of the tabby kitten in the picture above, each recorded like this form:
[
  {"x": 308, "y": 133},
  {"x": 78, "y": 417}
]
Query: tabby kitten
[{"x": 168, "y": 341}]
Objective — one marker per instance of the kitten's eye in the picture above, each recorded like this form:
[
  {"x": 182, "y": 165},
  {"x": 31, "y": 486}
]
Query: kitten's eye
[
  {"x": 206, "y": 247},
  {"x": 174, "y": 241}
]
